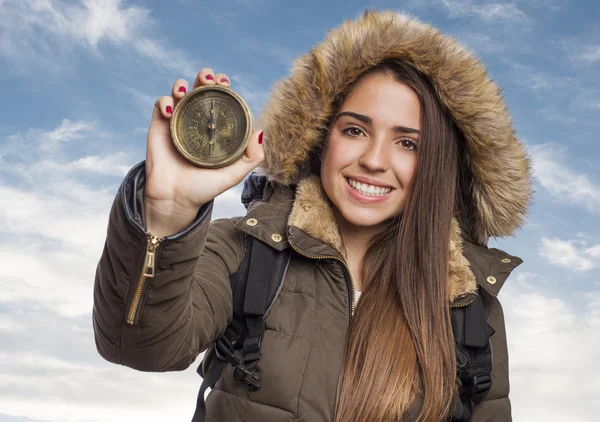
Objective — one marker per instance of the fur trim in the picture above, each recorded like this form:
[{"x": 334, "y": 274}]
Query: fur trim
[
  {"x": 313, "y": 214},
  {"x": 461, "y": 279},
  {"x": 296, "y": 114}
]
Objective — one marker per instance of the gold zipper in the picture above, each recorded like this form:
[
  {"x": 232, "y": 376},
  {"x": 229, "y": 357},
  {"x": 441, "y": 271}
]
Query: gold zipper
[
  {"x": 335, "y": 258},
  {"x": 464, "y": 304},
  {"x": 147, "y": 272},
  {"x": 347, "y": 270}
]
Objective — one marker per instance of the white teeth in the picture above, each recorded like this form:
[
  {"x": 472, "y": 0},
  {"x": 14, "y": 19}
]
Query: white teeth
[{"x": 368, "y": 189}]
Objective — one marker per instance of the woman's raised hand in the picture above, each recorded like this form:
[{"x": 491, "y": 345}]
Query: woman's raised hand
[{"x": 175, "y": 188}]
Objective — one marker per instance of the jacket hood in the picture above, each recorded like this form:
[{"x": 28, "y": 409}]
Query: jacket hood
[{"x": 296, "y": 113}]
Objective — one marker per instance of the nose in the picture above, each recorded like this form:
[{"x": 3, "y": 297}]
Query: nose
[{"x": 375, "y": 157}]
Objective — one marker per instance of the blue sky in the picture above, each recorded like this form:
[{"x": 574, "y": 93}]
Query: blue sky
[{"x": 79, "y": 79}]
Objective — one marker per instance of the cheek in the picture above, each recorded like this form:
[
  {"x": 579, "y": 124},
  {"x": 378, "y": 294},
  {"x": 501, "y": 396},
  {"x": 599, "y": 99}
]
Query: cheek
[
  {"x": 404, "y": 166},
  {"x": 338, "y": 155}
]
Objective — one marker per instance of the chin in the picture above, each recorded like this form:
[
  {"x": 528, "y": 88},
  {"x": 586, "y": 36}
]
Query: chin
[{"x": 365, "y": 219}]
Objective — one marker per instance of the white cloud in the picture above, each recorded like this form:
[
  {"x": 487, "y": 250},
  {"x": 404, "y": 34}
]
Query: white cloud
[
  {"x": 538, "y": 80},
  {"x": 29, "y": 28},
  {"x": 553, "y": 352},
  {"x": 50, "y": 33},
  {"x": 587, "y": 100},
  {"x": 555, "y": 114},
  {"x": 170, "y": 58},
  {"x": 252, "y": 94},
  {"x": 36, "y": 154},
  {"x": 53, "y": 221},
  {"x": 482, "y": 42},
  {"x": 67, "y": 131},
  {"x": 580, "y": 52},
  {"x": 47, "y": 141},
  {"x": 50, "y": 370},
  {"x": 562, "y": 182},
  {"x": 594, "y": 251},
  {"x": 571, "y": 254},
  {"x": 490, "y": 12},
  {"x": 591, "y": 53},
  {"x": 51, "y": 244},
  {"x": 111, "y": 165}
]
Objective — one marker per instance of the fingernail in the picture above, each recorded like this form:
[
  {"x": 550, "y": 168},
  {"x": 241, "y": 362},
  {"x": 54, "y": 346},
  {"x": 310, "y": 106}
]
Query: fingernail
[
  {"x": 224, "y": 80},
  {"x": 210, "y": 77},
  {"x": 260, "y": 137},
  {"x": 182, "y": 89},
  {"x": 169, "y": 109}
]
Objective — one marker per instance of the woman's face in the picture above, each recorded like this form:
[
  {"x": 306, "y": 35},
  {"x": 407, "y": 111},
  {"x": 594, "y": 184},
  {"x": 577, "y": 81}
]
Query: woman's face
[{"x": 372, "y": 151}]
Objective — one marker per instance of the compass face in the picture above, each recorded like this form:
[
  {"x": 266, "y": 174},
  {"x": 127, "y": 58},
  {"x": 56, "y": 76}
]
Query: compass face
[{"x": 211, "y": 126}]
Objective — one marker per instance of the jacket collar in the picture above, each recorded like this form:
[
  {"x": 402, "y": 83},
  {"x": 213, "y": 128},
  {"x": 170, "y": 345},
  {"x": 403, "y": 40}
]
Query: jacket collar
[{"x": 303, "y": 216}]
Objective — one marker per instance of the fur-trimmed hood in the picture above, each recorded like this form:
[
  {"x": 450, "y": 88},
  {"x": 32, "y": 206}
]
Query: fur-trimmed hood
[{"x": 294, "y": 117}]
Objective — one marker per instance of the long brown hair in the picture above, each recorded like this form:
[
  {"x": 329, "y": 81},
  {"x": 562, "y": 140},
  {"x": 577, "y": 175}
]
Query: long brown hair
[{"x": 400, "y": 343}]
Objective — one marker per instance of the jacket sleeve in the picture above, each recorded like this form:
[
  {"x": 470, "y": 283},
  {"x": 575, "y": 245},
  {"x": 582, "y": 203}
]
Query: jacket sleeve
[
  {"x": 162, "y": 323},
  {"x": 495, "y": 407}
]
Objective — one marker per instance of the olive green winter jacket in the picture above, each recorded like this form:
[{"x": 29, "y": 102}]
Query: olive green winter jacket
[{"x": 158, "y": 303}]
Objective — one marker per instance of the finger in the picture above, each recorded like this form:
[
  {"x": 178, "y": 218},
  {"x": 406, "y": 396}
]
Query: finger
[
  {"x": 180, "y": 88},
  {"x": 165, "y": 106},
  {"x": 205, "y": 77},
  {"x": 255, "y": 153},
  {"x": 222, "y": 79}
]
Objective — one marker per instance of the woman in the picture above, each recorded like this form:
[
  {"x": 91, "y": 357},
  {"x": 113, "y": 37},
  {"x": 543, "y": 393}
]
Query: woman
[{"x": 389, "y": 152}]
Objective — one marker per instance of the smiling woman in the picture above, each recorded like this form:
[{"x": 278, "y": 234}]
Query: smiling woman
[
  {"x": 392, "y": 154},
  {"x": 388, "y": 161}
]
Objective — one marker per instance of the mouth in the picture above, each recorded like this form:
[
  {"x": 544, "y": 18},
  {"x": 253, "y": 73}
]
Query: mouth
[{"x": 367, "y": 189}]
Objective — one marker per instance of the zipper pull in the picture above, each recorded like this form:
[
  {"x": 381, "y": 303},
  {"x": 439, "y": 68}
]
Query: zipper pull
[{"x": 153, "y": 242}]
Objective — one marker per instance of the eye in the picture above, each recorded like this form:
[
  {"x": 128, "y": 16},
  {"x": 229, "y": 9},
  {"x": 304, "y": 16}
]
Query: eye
[
  {"x": 353, "y": 131},
  {"x": 407, "y": 143}
]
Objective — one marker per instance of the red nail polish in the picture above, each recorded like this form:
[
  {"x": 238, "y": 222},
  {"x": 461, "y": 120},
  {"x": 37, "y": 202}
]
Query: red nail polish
[
  {"x": 210, "y": 77},
  {"x": 169, "y": 110},
  {"x": 260, "y": 137},
  {"x": 224, "y": 80},
  {"x": 182, "y": 89}
]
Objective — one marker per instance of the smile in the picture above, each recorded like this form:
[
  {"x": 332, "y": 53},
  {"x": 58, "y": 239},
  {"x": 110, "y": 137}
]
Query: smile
[{"x": 369, "y": 190}]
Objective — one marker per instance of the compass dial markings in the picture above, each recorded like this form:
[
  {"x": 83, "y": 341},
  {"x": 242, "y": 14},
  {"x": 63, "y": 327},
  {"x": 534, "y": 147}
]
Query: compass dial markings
[{"x": 228, "y": 126}]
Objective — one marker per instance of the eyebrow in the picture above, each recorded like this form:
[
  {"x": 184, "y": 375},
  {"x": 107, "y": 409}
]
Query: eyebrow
[{"x": 368, "y": 120}]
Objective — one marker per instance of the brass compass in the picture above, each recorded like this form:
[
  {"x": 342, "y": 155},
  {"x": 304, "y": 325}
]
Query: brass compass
[{"x": 211, "y": 126}]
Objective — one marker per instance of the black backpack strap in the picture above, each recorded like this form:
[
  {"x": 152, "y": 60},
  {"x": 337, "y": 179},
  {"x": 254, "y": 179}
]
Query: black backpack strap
[
  {"x": 255, "y": 287},
  {"x": 255, "y": 306},
  {"x": 473, "y": 356}
]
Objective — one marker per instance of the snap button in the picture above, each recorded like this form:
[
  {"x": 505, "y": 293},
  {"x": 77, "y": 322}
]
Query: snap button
[
  {"x": 252, "y": 222},
  {"x": 506, "y": 260},
  {"x": 491, "y": 279},
  {"x": 276, "y": 237}
]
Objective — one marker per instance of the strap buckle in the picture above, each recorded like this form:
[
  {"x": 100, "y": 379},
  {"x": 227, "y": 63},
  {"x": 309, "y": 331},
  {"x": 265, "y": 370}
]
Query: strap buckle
[
  {"x": 481, "y": 385},
  {"x": 251, "y": 348},
  {"x": 248, "y": 377},
  {"x": 224, "y": 350}
]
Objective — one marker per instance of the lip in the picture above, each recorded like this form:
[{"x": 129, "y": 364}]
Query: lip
[
  {"x": 365, "y": 199},
  {"x": 369, "y": 181}
]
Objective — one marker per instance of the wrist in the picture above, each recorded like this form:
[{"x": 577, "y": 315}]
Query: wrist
[
  {"x": 164, "y": 218},
  {"x": 169, "y": 208}
]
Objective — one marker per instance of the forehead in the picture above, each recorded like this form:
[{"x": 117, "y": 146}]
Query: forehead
[{"x": 385, "y": 100}]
